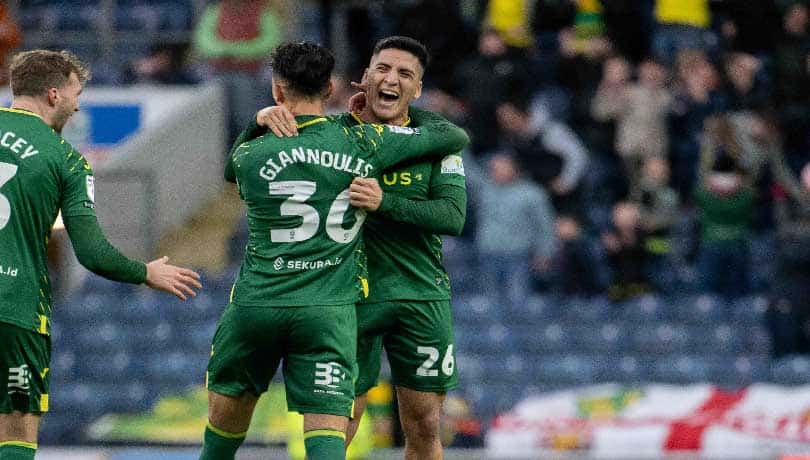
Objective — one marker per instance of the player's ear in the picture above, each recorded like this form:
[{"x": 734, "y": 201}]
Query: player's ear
[
  {"x": 418, "y": 90},
  {"x": 53, "y": 96},
  {"x": 330, "y": 89},
  {"x": 278, "y": 93}
]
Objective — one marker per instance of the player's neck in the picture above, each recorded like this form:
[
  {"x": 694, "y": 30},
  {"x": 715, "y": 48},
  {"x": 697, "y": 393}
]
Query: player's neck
[
  {"x": 368, "y": 116},
  {"x": 305, "y": 107},
  {"x": 33, "y": 105}
]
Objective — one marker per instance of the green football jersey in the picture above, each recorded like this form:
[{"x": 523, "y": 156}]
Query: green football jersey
[
  {"x": 405, "y": 261},
  {"x": 303, "y": 234},
  {"x": 40, "y": 173}
]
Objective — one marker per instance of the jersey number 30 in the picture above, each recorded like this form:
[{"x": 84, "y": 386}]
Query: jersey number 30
[
  {"x": 7, "y": 171},
  {"x": 296, "y": 205}
]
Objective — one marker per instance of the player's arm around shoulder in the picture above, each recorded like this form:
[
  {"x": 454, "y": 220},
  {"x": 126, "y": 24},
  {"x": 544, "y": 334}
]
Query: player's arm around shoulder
[{"x": 444, "y": 212}]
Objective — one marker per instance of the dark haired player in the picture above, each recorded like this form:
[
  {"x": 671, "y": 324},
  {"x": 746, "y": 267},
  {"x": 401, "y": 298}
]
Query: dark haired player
[
  {"x": 294, "y": 300},
  {"x": 408, "y": 307},
  {"x": 41, "y": 174}
]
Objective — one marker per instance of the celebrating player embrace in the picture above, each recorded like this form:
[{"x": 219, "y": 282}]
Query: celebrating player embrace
[{"x": 294, "y": 300}]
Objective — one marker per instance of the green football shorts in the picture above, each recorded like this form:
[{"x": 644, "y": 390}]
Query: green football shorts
[
  {"x": 418, "y": 338},
  {"x": 316, "y": 346},
  {"x": 24, "y": 364}
]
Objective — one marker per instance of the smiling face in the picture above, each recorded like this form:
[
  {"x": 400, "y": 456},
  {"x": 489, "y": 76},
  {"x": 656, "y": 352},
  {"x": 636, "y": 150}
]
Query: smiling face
[{"x": 394, "y": 79}]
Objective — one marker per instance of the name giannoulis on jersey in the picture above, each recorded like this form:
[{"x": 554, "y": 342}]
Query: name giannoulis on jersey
[{"x": 6, "y": 270}]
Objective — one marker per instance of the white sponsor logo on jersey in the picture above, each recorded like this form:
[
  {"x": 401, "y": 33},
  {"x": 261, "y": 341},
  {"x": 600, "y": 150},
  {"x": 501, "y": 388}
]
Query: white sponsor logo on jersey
[
  {"x": 91, "y": 188},
  {"x": 18, "y": 379},
  {"x": 329, "y": 374},
  {"x": 452, "y": 164},
  {"x": 402, "y": 130}
]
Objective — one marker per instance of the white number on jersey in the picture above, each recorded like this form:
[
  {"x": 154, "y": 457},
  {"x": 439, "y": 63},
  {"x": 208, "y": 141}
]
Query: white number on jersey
[
  {"x": 7, "y": 171},
  {"x": 296, "y": 205}
]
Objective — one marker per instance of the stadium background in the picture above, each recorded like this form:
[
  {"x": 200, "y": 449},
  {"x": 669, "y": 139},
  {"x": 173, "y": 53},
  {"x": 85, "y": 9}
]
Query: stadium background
[{"x": 620, "y": 273}]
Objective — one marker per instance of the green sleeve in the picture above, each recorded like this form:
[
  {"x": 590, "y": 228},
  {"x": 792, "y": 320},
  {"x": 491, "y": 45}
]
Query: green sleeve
[
  {"x": 97, "y": 254},
  {"x": 252, "y": 131},
  {"x": 209, "y": 44},
  {"x": 395, "y": 144},
  {"x": 444, "y": 213}
]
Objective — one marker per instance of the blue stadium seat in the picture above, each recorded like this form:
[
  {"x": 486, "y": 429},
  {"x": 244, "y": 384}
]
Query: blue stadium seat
[
  {"x": 587, "y": 311},
  {"x": 511, "y": 368},
  {"x": 700, "y": 310},
  {"x": 681, "y": 369},
  {"x": 662, "y": 338},
  {"x": 749, "y": 311},
  {"x": 471, "y": 367},
  {"x": 737, "y": 372},
  {"x": 153, "y": 16},
  {"x": 63, "y": 364},
  {"x": 110, "y": 367},
  {"x": 88, "y": 306},
  {"x": 756, "y": 340},
  {"x": 627, "y": 369},
  {"x": 176, "y": 366},
  {"x": 475, "y": 310},
  {"x": 537, "y": 310},
  {"x": 646, "y": 309},
  {"x": 791, "y": 370},
  {"x": 155, "y": 338},
  {"x": 75, "y": 398},
  {"x": 200, "y": 336},
  {"x": 553, "y": 337},
  {"x": 489, "y": 400},
  {"x": 605, "y": 338},
  {"x": 566, "y": 368},
  {"x": 105, "y": 336}
]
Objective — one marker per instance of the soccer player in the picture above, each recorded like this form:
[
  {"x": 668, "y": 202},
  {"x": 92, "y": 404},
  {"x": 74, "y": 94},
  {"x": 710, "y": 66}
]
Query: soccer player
[
  {"x": 408, "y": 307},
  {"x": 294, "y": 300},
  {"x": 41, "y": 174}
]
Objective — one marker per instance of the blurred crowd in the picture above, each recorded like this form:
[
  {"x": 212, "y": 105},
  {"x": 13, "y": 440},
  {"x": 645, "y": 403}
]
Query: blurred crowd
[{"x": 619, "y": 147}]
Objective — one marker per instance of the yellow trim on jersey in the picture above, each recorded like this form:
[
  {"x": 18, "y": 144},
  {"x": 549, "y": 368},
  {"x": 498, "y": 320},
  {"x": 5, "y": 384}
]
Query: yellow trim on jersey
[
  {"x": 20, "y": 111},
  {"x": 335, "y": 433},
  {"x": 44, "y": 372},
  {"x": 225, "y": 434},
  {"x": 364, "y": 285},
  {"x": 311, "y": 122},
  {"x": 44, "y": 402},
  {"x": 360, "y": 120},
  {"x": 27, "y": 445},
  {"x": 230, "y": 297},
  {"x": 43, "y": 325}
]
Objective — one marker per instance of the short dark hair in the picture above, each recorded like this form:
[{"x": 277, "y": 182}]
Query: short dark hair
[
  {"x": 403, "y": 43},
  {"x": 33, "y": 73},
  {"x": 306, "y": 67}
]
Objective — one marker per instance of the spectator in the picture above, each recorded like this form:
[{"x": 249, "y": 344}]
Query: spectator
[
  {"x": 745, "y": 89},
  {"x": 577, "y": 269},
  {"x": 627, "y": 258},
  {"x": 681, "y": 25},
  {"x": 165, "y": 65},
  {"x": 10, "y": 39},
  {"x": 658, "y": 213},
  {"x": 789, "y": 316},
  {"x": 511, "y": 19},
  {"x": 553, "y": 154},
  {"x": 726, "y": 202},
  {"x": 494, "y": 75},
  {"x": 697, "y": 97},
  {"x": 791, "y": 77},
  {"x": 236, "y": 37},
  {"x": 515, "y": 234},
  {"x": 640, "y": 110}
]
